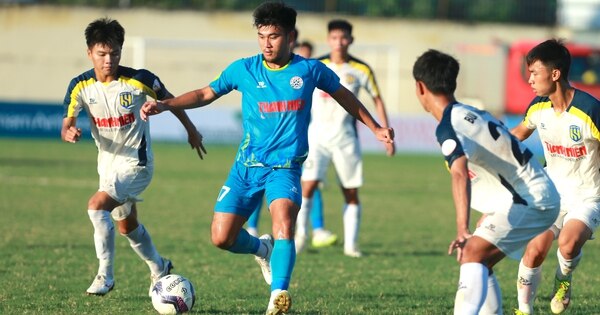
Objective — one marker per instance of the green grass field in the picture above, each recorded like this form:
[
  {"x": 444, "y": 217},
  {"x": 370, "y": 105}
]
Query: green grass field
[{"x": 48, "y": 257}]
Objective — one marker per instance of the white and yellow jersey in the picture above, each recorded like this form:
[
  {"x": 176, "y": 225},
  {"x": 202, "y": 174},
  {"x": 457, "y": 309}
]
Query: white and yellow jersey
[
  {"x": 571, "y": 142},
  {"x": 330, "y": 123},
  {"x": 121, "y": 136}
]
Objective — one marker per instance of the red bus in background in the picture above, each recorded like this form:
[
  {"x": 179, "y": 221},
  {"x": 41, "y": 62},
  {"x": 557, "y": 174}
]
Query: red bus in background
[{"x": 584, "y": 73}]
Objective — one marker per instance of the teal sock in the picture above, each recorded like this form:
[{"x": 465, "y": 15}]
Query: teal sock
[
  {"x": 245, "y": 243},
  {"x": 282, "y": 263}
]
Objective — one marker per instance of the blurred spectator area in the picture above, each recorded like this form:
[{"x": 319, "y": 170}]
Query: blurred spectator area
[{"x": 533, "y": 12}]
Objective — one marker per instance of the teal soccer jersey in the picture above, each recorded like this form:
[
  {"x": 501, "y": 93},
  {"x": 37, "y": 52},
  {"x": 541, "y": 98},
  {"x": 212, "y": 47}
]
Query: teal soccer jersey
[{"x": 276, "y": 107}]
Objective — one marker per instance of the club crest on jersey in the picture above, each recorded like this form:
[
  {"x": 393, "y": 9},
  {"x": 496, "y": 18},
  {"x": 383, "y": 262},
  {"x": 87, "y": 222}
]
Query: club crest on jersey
[
  {"x": 575, "y": 133},
  {"x": 126, "y": 99},
  {"x": 296, "y": 82},
  {"x": 350, "y": 79}
]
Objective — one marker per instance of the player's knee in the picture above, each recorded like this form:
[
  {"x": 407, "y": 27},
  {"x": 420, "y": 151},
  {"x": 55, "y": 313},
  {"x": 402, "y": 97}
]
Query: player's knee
[
  {"x": 534, "y": 256},
  {"x": 569, "y": 247},
  {"x": 95, "y": 203},
  {"x": 221, "y": 240}
]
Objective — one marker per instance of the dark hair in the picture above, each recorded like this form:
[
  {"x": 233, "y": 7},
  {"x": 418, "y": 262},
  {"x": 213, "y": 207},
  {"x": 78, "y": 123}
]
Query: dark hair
[
  {"x": 275, "y": 14},
  {"x": 340, "y": 25},
  {"x": 306, "y": 44},
  {"x": 438, "y": 71},
  {"x": 105, "y": 31},
  {"x": 553, "y": 54}
]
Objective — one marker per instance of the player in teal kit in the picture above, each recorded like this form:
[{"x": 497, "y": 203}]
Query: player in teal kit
[{"x": 276, "y": 88}]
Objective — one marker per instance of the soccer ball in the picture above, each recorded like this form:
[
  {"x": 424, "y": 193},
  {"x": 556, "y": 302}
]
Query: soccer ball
[{"x": 173, "y": 294}]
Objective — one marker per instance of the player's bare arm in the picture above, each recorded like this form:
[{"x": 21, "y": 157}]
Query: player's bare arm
[
  {"x": 461, "y": 192},
  {"x": 390, "y": 148},
  {"x": 69, "y": 132},
  {"x": 194, "y": 136},
  {"x": 521, "y": 132},
  {"x": 355, "y": 108},
  {"x": 193, "y": 99}
]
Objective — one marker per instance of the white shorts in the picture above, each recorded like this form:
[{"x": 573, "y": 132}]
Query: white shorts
[
  {"x": 586, "y": 212},
  {"x": 124, "y": 184},
  {"x": 346, "y": 159},
  {"x": 511, "y": 231}
]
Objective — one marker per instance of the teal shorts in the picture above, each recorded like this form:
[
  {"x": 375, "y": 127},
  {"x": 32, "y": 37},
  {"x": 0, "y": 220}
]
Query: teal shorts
[{"x": 243, "y": 191}]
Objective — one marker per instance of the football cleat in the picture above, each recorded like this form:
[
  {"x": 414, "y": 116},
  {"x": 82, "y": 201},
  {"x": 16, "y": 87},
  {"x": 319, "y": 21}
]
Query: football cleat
[
  {"x": 280, "y": 302},
  {"x": 519, "y": 312},
  {"x": 562, "y": 295},
  {"x": 323, "y": 238},
  {"x": 167, "y": 266},
  {"x": 353, "y": 252},
  {"x": 265, "y": 262},
  {"x": 100, "y": 286}
]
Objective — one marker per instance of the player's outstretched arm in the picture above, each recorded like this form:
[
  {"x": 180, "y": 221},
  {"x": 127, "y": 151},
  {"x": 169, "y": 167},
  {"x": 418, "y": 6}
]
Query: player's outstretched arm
[
  {"x": 69, "y": 132},
  {"x": 194, "y": 137},
  {"x": 192, "y": 99},
  {"x": 355, "y": 108},
  {"x": 461, "y": 193}
]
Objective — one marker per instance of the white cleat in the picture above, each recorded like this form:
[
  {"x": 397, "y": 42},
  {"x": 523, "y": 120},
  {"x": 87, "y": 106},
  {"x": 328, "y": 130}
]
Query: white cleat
[
  {"x": 353, "y": 252},
  {"x": 323, "y": 238},
  {"x": 265, "y": 262},
  {"x": 167, "y": 266},
  {"x": 100, "y": 286},
  {"x": 562, "y": 296},
  {"x": 279, "y": 303}
]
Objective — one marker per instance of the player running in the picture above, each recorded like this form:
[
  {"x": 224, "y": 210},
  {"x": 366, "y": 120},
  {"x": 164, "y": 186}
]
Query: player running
[
  {"x": 112, "y": 95},
  {"x": 492, "y": 172},
  {"x": 567, "y": 120},
  {"x": 276, "y": 87}
]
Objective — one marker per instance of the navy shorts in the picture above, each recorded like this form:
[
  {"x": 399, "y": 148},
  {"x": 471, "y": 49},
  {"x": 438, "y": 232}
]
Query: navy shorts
[{"x": 245, "y": 187}]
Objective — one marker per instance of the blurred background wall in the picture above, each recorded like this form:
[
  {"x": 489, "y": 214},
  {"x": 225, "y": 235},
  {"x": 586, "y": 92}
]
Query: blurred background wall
[{"x": 188, "y": 42}]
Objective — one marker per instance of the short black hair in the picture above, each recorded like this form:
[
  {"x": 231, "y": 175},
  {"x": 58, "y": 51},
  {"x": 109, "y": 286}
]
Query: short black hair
[
  {"x": 552, "y": 54},
  {"x": 105, "y": 31},
  {"x": 306, "y": 44},
  {"x": 275, "y": 14},
  {"x": 339, "y": 25},
  {"x": 438, "y": 71}
]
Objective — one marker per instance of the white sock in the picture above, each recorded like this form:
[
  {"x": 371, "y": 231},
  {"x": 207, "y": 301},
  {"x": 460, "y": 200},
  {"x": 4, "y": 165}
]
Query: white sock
[
  {"x": 104, "y": 241},
  {"x": 472, "y": 289},
  {"x": 493, "y": 300},
  {"x": 352, "y": 213},
  {"x": 140, "y": 241},
  {"x": 527, "y": 283},
  {"x": 566, "y": 266},
  {"x": 302, "y": 220}
]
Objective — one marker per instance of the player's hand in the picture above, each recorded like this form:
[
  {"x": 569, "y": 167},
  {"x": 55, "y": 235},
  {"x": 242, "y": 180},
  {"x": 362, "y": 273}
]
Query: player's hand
[
  {"x": 385, "y": 135},
  {"x": 195, "y": 141},
  {"x": 151, "y": 108},
  {"x": 458, "y": 244},
  {"x": 390, "y": 149},
  {"x": 73, "y": 134}
]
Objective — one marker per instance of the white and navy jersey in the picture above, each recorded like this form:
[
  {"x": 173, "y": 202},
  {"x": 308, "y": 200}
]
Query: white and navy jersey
[
  {"x": 114, "y": 112},
  {"x": 501, "y": 168},
  {"x": 571, "y": 142},
  {"x": 330, "y": 123}
]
